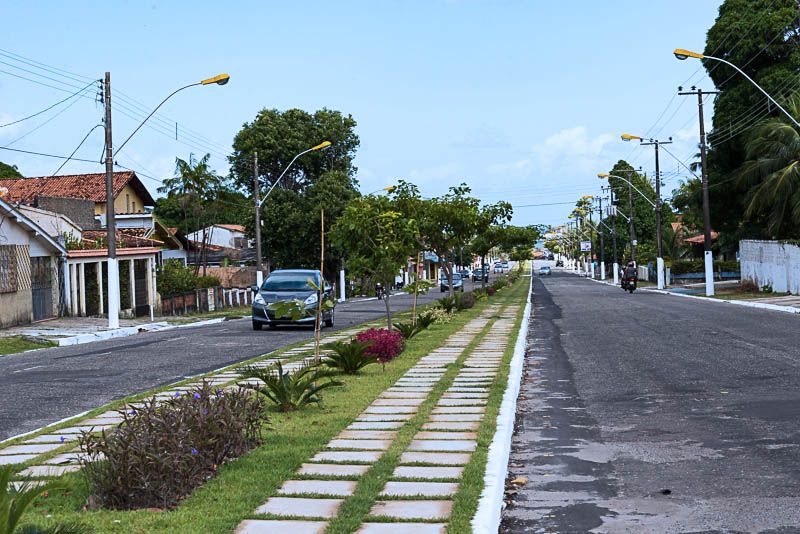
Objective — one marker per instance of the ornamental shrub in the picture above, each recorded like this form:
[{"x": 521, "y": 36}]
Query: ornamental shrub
[
  {"x": 437, "y": 316},
  {"x": 161, "y": 452},
  {"x": 465, "y": 301},
  {"x": 448, "y": 303},
  {"x": 384, "y": 345},
  {"x": 491, "y": 291},
  {"x": 174, "y": 277}
]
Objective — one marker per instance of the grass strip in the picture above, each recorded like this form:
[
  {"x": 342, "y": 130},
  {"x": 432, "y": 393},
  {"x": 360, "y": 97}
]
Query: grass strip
[
  {"x": 15, "y": 344},
  {"x": 242, "y": 485}
]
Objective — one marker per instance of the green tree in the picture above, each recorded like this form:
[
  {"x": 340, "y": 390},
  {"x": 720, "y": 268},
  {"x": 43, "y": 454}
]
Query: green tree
[
  {"x": 771, "y": 174},
  {"x": 378, "y": 240},
  {"x": 763, "y": 38},
  {"x": 9, "y": 172},
  {"x": 279, "y": 136}
]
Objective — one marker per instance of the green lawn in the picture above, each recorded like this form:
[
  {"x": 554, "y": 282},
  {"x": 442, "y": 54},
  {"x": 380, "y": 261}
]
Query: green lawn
[
  {"x": 14, "y": 344},
  {"x": 289, "y": 440}
]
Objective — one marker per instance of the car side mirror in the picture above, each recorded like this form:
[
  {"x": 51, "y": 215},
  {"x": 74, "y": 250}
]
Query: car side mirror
[{"x": 254, "y": 288}]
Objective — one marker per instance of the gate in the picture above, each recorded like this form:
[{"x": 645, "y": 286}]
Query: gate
[
  {"x": 140, "y": 276},
  {"x": 42, "y": 288}
]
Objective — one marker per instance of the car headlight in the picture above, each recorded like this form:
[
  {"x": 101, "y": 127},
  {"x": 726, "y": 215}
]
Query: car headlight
[
  {"x": 312, "y": 299},
  {"x": 259, "y": 300}
]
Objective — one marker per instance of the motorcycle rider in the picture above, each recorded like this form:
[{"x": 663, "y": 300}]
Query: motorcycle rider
[{"x": 629, "y": 273}]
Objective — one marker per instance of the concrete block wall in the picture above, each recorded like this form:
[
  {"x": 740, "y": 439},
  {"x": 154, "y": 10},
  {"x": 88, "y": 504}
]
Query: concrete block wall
[{"x": 771, "y": 263}]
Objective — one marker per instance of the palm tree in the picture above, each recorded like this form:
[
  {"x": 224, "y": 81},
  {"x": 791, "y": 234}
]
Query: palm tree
[
  {"x": 196, "y": 185},
  {"x": 771, "y": 173}
]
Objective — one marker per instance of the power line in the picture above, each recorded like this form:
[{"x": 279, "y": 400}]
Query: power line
[
  {"x": 45, "y": 155},
  {"x": 49, "y": 107},
  {"x": 76, "y": 149},
  {"x": 45, "y": 123}
]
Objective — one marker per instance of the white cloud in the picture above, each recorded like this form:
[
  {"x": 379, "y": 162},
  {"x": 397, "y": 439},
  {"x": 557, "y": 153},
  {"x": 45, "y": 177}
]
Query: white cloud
[{"x": 572, "y": 149}]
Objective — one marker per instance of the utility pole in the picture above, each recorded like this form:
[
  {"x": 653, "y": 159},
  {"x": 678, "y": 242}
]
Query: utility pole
[
  {"x": 259, "y": 272},
  {"x": 708, "y": 255},
  {"x": 659, "y": 245},
  {"x": 613, "y": 213},
  {"x": 602, "y": 243},
  {"x": 631, "y": 228},
  {"x": 591, "y": 243},
  {"x": 111, "y": 231}
]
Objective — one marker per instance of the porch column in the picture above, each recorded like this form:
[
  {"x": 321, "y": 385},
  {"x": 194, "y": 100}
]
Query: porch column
[
  {"x": 150, "y": 288},
  {"x": 73, "y": 289},
  {"x": 100, "y": 310},
  {"x": 82, "y": 280},
  {"x": 132, "y": 284}
]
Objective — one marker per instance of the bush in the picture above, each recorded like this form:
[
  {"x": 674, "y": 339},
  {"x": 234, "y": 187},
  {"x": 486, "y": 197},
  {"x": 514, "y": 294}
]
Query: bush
[
  {"x": 500, "y": 283},
  {"x": 384, "y": 345},
  {"x": 448, "y": 304},
  {"x": 290, "y": 390},
  {"x": 408, "y": 330},
  {"x": 465, "y": 301},
  {"x": 349, "y": 358},
  {"x": 437, "y": 316},
  {"x": 424, "y": 320},
  {"x": 480, "y": 294},
  {"x": 698, "y": 266},
  {"x": 161, "y": 452},
  {"x": 491, "y": 291},
  {"x": 174, "y": 277}
]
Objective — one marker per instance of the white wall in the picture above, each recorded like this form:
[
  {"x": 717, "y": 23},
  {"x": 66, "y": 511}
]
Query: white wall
[
  {"x": 221, "y": 237},
  {"x": 771, "y": 262}
]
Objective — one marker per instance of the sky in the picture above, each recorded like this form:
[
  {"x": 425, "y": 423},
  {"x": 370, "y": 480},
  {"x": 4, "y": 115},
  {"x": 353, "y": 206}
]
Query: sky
[{"x": 522, "y": 100}]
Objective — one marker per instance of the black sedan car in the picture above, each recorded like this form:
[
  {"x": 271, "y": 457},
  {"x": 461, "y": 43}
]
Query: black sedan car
[{"x": 286, "y": 285}]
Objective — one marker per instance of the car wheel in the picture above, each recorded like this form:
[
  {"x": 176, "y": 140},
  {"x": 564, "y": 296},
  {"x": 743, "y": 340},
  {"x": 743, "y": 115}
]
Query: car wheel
[
  {"x": 329, "y": 321},
  {"x": 256, "y": 325}
]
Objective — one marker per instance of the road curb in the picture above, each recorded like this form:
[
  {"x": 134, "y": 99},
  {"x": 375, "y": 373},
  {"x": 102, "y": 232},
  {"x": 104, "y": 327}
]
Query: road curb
[
  {"x": 490, "y": 506},
  {"x": 127, "y": 331}
]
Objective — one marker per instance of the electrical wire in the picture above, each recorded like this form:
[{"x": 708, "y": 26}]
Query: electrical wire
[
  {"x": 49, "y": 107},
  {"x": 45, "y": 154},
  {"x": 45, "y": 123},
  {"x": 76, "y": 149}
]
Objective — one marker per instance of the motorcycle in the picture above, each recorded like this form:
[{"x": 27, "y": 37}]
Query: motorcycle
[
  {"x": 380, "y": 291},
  {"x": 629, "y": 284}
]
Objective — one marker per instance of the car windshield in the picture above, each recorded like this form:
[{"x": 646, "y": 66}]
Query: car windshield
[{"x": 288, "y": 282}]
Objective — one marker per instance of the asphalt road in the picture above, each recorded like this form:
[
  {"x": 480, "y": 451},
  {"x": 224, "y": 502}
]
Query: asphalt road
[
  {"x": 653, "y": 413},
  {"x": 41, "y": 387}
]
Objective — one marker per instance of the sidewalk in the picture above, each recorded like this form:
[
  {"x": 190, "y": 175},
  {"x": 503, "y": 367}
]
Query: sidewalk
[{"x": 65, "y": 331}]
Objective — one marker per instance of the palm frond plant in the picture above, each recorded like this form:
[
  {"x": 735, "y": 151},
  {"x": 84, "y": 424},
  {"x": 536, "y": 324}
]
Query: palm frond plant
[
  {"x": 448, "y": 304},
  {"x": 349, "y": 358},
  {"x": 14, "y": 501},
  {"x": 425, "y": 320},
  {"x": 771, "y": 173},
  {"x": 291, "y": 390},
  {"x": 408, "y": 330}
]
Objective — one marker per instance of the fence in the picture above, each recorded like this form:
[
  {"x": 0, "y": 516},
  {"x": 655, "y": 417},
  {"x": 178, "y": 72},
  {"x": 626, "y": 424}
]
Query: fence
[
  {"x": 205, "y": 300},
  {"x": 771, "y": 263}
]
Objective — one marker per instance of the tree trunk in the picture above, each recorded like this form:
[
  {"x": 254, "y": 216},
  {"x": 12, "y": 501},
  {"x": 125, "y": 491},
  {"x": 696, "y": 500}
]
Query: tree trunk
[
  {"x": 483, "y": 271},
  {"x": 416, "y": 290},
  {"x": 388, "y": 311}
]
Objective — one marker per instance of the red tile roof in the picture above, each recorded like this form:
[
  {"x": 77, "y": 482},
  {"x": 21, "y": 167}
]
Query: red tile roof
[
  {"x": 233, "y": 227},
  {"x": 85, "y": 186},
  {"x": 700, "y": 239}
]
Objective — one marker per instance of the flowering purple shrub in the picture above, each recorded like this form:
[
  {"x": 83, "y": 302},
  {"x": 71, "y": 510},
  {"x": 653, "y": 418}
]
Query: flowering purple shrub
[
  {"x": 385, "y": 345},
  {"x": 160, "y": 452}
]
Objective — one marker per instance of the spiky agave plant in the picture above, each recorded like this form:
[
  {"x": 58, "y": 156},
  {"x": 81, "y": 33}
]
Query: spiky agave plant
[{"x": 291, "y": 390}]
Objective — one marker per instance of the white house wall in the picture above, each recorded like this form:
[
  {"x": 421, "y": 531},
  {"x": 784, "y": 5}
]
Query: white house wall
[{"x": 771, "y": 263}]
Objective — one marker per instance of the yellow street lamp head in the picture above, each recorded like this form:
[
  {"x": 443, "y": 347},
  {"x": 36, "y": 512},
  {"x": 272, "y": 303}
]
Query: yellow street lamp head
[
  {"x": 390, "y": 188},
  {"x": 323, "y": 145},
  {"x": 682, "y": 54},
  {"x": 602, "y": 175},
  {"x": 220, "y": 79},
  {"x": 629, "y": 137}
]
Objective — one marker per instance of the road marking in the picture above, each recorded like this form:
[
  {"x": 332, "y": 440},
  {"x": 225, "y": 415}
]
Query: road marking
[{"x": 28, "y": 369}]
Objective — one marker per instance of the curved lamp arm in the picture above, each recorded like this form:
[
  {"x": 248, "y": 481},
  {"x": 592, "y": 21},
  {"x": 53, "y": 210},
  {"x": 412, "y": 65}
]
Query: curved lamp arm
[{"x": 630, "y": 184}]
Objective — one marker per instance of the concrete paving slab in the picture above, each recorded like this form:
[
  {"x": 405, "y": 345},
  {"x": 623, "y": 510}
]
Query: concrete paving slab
[
  {"x": 461, "y": 402},
  {"x": 446, "y": 435},
  {"x": 16, "y": 458},
  {"x": 412, "y": 509},
  {"x": 444, "y": 425},
  {"x": 366, "y": 434},
  {"x": 48, "y": 470},
  {"x": 435, "y": 458},
  {"x": 391, "y": 410},
  {"x": 339, "y": 488},
  {"x": 343, "y": 470},
  {"x": 397, "y": 402},
  {"x": 451, "y": 445},
  {"x": 277, "y": 526},
  {"x": 381, "y": 425},
  {"x": 30, "y": 448},
  {"x": 401, "y": 528},
  {"x": 355, "y": 457},
  {"x": 433, "y": 473},
  {"x": 53, "y": 438},
  {"x": 454, "y": 417},
  {"x": 438, "y": 410},
  {"x": 360, "y": 444},
  {"x": 301, "y": 507},
  {"x": 425, "y": 489},
  {"x": 374, "y": 417}
]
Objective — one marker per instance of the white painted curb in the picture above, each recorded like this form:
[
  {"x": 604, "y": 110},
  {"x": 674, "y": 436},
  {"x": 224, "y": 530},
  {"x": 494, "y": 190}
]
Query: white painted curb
[
  {"x": 129, "y": 331},
  {"x": 490, "y": 506}
]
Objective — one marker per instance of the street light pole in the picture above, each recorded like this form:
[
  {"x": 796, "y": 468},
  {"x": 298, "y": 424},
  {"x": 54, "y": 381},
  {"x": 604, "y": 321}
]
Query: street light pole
[
  {"x": 259, "y": 272},
  {"x": 602, "y": 243}
]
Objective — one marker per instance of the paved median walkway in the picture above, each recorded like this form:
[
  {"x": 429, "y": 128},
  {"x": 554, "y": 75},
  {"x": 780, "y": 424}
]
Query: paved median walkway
[
  {"x": 426, "y": 474},
  {"x": 55, "y": 453}
]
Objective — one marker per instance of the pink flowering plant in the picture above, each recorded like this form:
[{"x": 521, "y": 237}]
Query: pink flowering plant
[{"x": 384, "y": 344}]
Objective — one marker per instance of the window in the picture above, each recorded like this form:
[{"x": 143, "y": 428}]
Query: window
[
  {"x": 8, "y": 269},
  {"x": 134, "y": 207}
]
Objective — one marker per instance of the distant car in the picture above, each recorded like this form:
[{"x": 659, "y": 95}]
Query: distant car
[
  {"x": 458, "y": 283},
  {"x": 504, "y": 265},
  {"x": 466, "y": 274},
  {"x": 479, "y": 273},
  {"x": 544, "y": 270},
  {"x": 498, "y": 267},
  {"x": 285, "y": 285}
]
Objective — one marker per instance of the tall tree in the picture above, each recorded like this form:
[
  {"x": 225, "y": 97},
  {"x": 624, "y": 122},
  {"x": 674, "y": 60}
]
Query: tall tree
[
  {"x": 762, "y": 37},
  {"x": 771, "y": 174}
]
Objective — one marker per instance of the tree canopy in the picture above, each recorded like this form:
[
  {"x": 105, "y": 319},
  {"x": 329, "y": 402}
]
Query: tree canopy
[{"x": 9, "y": 172}]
